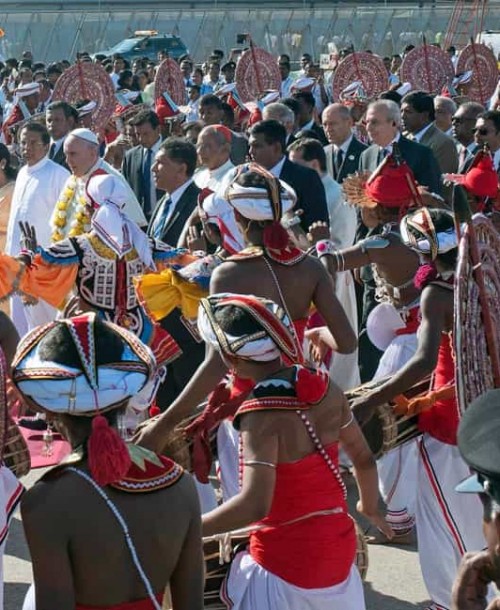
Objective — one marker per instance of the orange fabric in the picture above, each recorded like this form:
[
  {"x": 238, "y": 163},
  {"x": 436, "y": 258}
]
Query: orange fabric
[
  {"x": 10, "y": 269},
  {"x": 52, "y": 283},
  {"x": 140, "y": 604},
  {"x": 327, "y": 543},
  {"x": 414, "y": 406}
]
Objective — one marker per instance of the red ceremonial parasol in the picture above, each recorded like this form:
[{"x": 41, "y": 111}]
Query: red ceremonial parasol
[
  {"x": 169, "y": 78},
  {"x": 257, "y": 72},
  {"x": 86, "y": 81},
  {"x": 365, "y": 68},
  {"x": 427, "y": 68},
  {"x": 480, "y": 60}
]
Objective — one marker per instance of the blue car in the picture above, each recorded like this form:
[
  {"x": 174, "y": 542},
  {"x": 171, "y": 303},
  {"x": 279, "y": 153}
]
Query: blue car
[{"x": 147, "y": 43}]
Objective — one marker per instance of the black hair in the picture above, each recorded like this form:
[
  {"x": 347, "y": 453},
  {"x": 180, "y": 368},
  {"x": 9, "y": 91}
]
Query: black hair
[
  {"x": 38, "y": 128},
  {"x": 307, "y": 97},
  {"x": 181, "y": 151},
  {"x": 420, "y": 101},
  {"x": 311, "y": 150},
  {"x": 145, "y": 116},
  {"x": 394, "y": 96},
  {"x": 54, "y": 69},
  {"x": 236, "y": 321},
  {"x": 70, "y": 112},
  {"x": 58, "y": 346},
  {"x": 228, "y": 114},
  {"x": 9, "y": 171},
  {"x": 493, "y": 116},
  {"x": 273, "y": 131},
  {"x": 291, "y": 103},
  {"x": 209, "y": 99}
]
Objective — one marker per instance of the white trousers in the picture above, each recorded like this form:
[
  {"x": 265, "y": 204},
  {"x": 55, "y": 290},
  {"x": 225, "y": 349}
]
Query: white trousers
[
  {"x": 449, "y": 524},
  {"x": 250, "y": 587},
  {"x": 397, "y": 470}
]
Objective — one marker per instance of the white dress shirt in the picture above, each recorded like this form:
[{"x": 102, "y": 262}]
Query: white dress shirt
[
  {"x": 278, "y": 168},
  {"x": 212, "y": 178},
  {"x": 417, "y": 137}
]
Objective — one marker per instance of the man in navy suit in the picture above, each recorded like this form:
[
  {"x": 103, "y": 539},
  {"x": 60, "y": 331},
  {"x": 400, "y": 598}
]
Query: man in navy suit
[
  {"x": 173, "y": 170},
  {"x": 138, "y": 161},
  {"x": 344, "y": 150},
  {"x": 383, "y": 121},
  {"x": 267, "y": 142}
]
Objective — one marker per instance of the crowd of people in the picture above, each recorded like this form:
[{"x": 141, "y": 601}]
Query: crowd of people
[{"x": 193, "y": 289}]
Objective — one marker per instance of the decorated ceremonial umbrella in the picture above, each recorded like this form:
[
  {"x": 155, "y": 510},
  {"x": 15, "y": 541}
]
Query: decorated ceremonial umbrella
[
  {"x": 87, "y": 81},
  {"x": 169, "y": 79},
  {"x": 427, "y": 68},
  {"x": 477, "y": 305},
  {"x": 364, "y": 68},
  {"x": 480, "y": 60},
  {"x": 256, "y": 73}
]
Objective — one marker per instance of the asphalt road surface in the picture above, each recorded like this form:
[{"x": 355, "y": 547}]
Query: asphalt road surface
[{"x": 393, "y": 580}]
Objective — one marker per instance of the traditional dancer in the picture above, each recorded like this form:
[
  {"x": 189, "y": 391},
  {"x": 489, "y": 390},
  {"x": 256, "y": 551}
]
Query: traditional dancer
[
  {"x": 83, "y": 372},
  {"x": 291, "y": 425},
  {"x": 393, "y": 324},
  {"x": 271, "y": 266},
  {"x": 101, "y": 266},
  {"x": 448, "y": 525}
]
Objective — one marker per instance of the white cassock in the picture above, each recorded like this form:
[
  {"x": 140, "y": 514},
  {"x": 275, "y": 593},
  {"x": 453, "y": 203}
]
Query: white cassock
[
  {"x": 343, "y": 367},
  {"x": 213, "y": 178},
  {"x": 35, "y": 194}
]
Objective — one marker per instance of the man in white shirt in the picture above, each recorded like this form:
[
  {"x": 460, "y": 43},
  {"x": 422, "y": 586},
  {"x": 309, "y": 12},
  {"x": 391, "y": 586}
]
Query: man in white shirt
[
  {"x": 286, "y": 79},
  {"x": 343, "y": 220},
  {"x": 213, "y": 148},
  {"x": 37, "y": 188}
]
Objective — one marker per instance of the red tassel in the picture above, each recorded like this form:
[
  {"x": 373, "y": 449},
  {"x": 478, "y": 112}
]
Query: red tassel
[
  {"x": 154, "y": 410},
  {"x": 425, "y": 275},
  {"x": 109, "y": 459},
  {"x": 275, "y": 236},
  {"x": 310, "y": 386}
]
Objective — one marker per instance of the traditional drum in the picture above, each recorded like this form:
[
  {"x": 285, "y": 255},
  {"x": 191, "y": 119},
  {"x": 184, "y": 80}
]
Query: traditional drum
[{"x": 386, "y": 430}]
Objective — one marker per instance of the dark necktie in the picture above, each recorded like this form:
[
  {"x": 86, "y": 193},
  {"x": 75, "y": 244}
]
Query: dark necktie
[
  {"x": 52, "y": 150},
  {"x": 339, "y": 158},
  {"x": 161, "y": 219},
  {"x": 382, "y": 154},
  {"x": 146, "y": 182}
]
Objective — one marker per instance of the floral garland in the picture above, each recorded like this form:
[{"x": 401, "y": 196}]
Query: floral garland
[{"x": 81, "y": 221}]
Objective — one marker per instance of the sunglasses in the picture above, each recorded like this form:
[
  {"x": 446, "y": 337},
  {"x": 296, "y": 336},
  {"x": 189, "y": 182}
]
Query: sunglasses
[
  {"x": 459, "y": 120},
  {"x": 482, "y": 131}
]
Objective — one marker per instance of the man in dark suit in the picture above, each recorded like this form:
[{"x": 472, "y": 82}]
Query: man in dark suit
[
  {"x": 383, "y": 121},
  {"x": 138, "y": 161},
  {"x": 305, "y": 116},
  {"x": 418, "y": 114},
  {"x": 60, "y": 119},
  {"x": 267, "y": 148},
  {"x": 463, "y": 123},
  {"x": 344, "y": 150},
  {"x": 173, "y": 169}
]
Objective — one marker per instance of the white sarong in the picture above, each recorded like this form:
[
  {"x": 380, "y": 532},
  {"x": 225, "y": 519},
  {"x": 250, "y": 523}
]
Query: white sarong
[
  {"x": 449, "y": 524},
  {"x": 397, "y": 470},
  {"x": 250, "y": 587}
]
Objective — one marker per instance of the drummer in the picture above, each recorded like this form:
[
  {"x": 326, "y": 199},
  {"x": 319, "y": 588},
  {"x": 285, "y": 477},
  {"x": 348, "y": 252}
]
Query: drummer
[
  {"x": 302, "y": 551},
  {"x": 448, "y": 524},
  {"x": 393, "y": 323}
]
